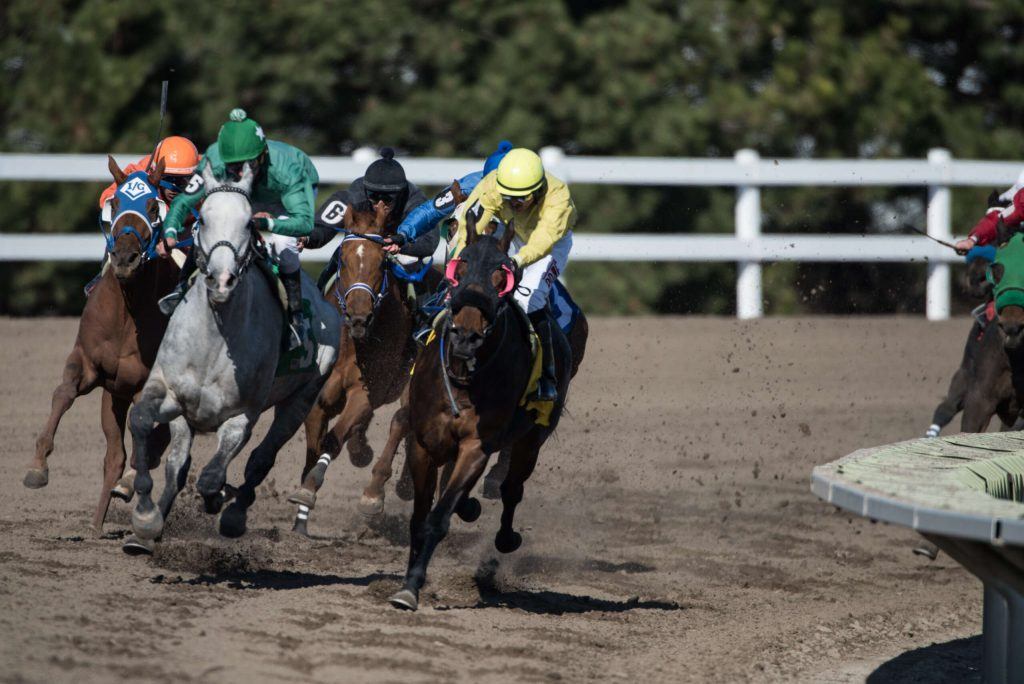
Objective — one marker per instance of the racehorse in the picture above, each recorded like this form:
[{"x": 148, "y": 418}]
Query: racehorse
[
  {"x": 118, "y": 335},
  {"x": 376, "y": 351},
  {"x": 221, "y": 364},
  {"x": 466, "y": 402},
  {"x": 981, "y": 386}
]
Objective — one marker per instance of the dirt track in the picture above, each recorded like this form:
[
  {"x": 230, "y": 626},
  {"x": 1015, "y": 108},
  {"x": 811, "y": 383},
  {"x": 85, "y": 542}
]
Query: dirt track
[{"x": 669, "y": 535}]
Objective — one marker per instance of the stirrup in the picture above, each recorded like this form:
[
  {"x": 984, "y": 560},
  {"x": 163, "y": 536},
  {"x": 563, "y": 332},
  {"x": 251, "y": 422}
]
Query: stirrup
[
  {"x": 169, "y": 302},
  {"x": 295, "y": 334},
  {"x": 541, "y": 395}
]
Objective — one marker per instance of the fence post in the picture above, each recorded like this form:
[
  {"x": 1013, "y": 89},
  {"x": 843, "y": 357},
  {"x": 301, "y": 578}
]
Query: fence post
[
  {"x": 749, "y": 303},
  {"x": 939, "y": 226}
]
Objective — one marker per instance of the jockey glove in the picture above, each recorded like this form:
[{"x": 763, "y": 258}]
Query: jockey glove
[{"x": 263, "y": 223}]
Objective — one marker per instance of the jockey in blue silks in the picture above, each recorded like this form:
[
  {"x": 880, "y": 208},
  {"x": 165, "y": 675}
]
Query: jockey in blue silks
[{"x": 426, "y": 216}]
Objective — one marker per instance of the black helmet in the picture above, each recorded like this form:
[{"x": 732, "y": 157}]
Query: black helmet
[{"x": 385, "y": 175}]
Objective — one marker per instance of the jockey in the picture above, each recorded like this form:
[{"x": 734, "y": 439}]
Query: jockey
[
  {"x": 180, "y": 159},
  {"x": 1009, "y": 207},
  {"x": 284, "y": 188},
  {"x": 426, "y": 216},
  {"x": 544, "y": 216},
  {"x": 384, "y": 181}
]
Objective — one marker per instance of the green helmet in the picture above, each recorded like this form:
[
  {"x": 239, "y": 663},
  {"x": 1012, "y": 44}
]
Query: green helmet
[{"x": 240, "y": 138}]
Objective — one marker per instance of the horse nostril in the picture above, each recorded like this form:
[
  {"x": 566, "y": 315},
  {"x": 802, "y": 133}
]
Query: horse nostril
[{"x": 231, "y": 280}]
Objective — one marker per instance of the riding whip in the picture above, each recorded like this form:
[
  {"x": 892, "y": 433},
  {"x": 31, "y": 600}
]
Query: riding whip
[{"x": 921, "y": 232}]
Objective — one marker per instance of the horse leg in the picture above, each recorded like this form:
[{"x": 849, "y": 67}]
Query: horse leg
[
  {"x": 287, "y": 419},
  {"x": 372, "y": 501},
  {"x": 113, "y": 415},
  {"x": 469, "y": 466},
  {"x": 159, "y": 438},
  {"x": 978, "y": 411},
  {"x": 357, "y": 413},
  {"x": 74, "y": 383},
  {"x": 404, "y": 487},
  {"x": 231, "y": 437},
  {"x": 952, "y": 404},
  {"x": 327, "y": 405},
  {"x": 177, "y": 464},
  {"x": 496, "y": 475},
  {"x": 522, "y": 460},
  {"x": 360, "y": 453},
  {"x": 424, "y": 477},
  {"x": 151, "y": 407}
]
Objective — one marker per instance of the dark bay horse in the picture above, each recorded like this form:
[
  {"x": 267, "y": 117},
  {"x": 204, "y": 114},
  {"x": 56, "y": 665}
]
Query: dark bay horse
[
  {"x": 466, "y": 402},
  {"x": 375, "y": 354},
  {"x": 118, "y": 335}
]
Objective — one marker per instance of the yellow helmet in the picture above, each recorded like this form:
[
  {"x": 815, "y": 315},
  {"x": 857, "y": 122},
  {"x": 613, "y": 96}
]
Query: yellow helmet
[{"x": 520, "y": 173}]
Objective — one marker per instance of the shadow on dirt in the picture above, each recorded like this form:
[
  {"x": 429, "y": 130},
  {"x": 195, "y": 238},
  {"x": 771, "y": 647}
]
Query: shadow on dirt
[
  {"x": 275, "y": 580},
  {"x": 954, "y": 661},
  {"x": 544, "y": 602}
]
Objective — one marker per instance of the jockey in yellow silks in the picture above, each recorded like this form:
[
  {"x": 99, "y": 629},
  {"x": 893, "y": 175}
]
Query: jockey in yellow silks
[{"x": 543, "y": 215}]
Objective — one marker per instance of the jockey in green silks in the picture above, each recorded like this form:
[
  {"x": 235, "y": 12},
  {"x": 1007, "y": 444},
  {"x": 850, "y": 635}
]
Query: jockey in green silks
[{"x": 283, "y": 193}]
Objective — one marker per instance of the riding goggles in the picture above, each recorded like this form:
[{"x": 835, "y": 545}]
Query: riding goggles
[
  {"x": 387, "y": 198},
  {"x": 451, "y": 274}
]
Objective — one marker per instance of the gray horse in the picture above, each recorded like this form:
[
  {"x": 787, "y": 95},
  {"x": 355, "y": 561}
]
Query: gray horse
[{"x": 221, "y": 365}]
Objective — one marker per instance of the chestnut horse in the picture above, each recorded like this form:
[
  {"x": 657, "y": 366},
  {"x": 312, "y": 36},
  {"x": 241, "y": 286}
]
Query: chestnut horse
[
  {"x": 466, "y": 402},
  {"x": 118, "y": 335},
  {"x": 375, "y": 354}
]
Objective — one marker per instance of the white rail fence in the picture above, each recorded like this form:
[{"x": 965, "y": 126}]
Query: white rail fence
[{"x": 746, "y": 171}]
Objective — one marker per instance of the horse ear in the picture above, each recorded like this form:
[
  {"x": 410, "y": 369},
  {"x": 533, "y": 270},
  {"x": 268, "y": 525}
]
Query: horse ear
[
  {"x": 209, "y": 180},
  {"x": 506, "y": 237},
  {"x": 245, "y": 182},
  {"x": 349, "y": 218},
  {"x": 993, "y": 199},
  {"x": 1003, "y": 232},
  {"x": 115, "y": 171},
  {"x": 457, "y": 192},
  {"x": 471, "y": 233},
  {"x": 156, "y": 174},
  {"x": 380, "y": 216}
]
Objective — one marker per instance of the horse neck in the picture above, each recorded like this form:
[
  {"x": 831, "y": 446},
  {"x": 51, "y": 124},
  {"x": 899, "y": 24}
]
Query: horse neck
[{"x": 498, "y": 343}]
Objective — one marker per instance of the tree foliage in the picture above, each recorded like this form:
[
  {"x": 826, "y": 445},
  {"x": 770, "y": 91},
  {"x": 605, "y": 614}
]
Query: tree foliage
[{"x": 700, "y": 78}]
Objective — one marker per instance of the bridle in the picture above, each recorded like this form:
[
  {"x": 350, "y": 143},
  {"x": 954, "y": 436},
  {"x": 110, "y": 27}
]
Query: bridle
[
  {"x": 135, "y": 206},
  {"x": 389, "y": 266},
  {"x": 243, "y": 257}
]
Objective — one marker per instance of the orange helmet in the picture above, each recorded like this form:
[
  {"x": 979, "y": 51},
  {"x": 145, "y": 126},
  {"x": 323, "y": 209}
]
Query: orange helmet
[{"x": 179, "y": 154}]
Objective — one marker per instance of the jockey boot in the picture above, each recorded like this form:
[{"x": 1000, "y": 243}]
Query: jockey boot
[
  {"x": 329, "y": 270},
  {"x": 547, "y": 389},
  {"x": 168, "y": 303},
  {"x": 296, "y": 322}
]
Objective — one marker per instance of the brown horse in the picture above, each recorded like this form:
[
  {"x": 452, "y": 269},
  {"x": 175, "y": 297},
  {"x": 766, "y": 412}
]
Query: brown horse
[
  {"x": 375, "y": 354},
  {"x": 118, "y": 336},
  {"x": 465, "y": 403}
]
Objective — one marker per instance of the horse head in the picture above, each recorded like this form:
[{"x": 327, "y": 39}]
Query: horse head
[
  {"x": 1007, "y": 276},
  {"x": 226, "y": 246},
  {"x": 482, "y": 278},
  {"x": 136, "y": 211},
  {"x": 362, "y": 281}
]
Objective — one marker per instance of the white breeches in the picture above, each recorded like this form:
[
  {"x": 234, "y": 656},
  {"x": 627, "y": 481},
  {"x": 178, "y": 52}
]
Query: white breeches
[
  {"x": 541, "y": 274},
  {"x": 286, "y": 250}
]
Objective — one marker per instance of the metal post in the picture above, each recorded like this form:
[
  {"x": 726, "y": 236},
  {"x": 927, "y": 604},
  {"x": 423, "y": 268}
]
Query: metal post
[
  {"x": 939, "y": 226},
  {"x": 748, "y": 228}
]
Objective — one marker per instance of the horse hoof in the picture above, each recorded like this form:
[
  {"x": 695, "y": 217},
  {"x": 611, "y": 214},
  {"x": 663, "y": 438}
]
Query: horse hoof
[
  {"x": 35, "y": 478},
  {"x": 360, "y": 458},
  {"x": 300, "y": 527},
  {"x": 147, "y": 524},
  {"x": 405, "y": 599},
  {"x": 405, "y": 489},
  {"x": 134, "y": 546},
  {"x": 214, "y": 503},
  {"x": 303, "y": 497},
  {"x": 469, "y": 509},
  {"x": 508, "y": 544},
  {"x": 492, "y": 488},
  {"x": 210, "y": 484},
  {"x": 232, "y": 521},
  {"x": 371, "y": 507}
]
